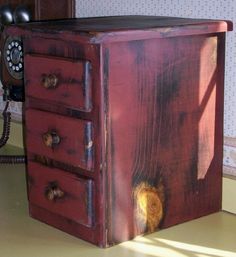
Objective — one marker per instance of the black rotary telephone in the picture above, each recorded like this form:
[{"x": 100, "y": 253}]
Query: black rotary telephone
[
  {"x": 11, "y": 69},
  {"x": 12, "y": 52}
]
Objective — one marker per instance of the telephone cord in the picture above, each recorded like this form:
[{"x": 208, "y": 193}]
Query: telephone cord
[{"x": 9, "y": 159}]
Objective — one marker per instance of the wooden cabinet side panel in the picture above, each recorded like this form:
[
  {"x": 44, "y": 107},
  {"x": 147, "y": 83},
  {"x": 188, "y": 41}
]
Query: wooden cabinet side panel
[{"x": 165, "y": 103}]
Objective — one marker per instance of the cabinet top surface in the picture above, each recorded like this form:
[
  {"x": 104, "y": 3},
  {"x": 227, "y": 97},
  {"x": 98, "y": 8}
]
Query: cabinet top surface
[
  {"x": 95, "y": 26},
  {"x": 117, "y": 23}
]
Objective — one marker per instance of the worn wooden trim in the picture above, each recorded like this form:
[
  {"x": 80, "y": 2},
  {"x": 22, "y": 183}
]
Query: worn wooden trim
[
  {"x": 229, "y": 191},
  {"x": 39, "y": 3},
  {"x": 37, "y": 9},
  {"x": 230, "y": 141},
  {"x": 71, "y": 8},
  {"x": 120, "y": 36},
  {"x": 229, "y": 176},
  {"x": 229, "y": 171}
]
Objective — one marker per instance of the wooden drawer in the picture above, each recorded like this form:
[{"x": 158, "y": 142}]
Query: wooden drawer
[
  {"x": 62, "y": 193},
  {"x": 60, "y": 138},
  {"x": 64, "y": 81}
]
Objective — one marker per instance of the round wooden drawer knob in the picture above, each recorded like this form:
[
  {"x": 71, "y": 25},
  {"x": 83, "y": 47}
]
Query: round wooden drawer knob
[
  {"x": 51, "y": 139},
  {"x": 54, "y": 193},
  {"x": 50, "y": 81}
]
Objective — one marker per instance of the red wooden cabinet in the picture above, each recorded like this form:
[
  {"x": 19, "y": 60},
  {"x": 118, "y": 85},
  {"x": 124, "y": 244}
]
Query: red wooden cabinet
[{"x": 141, "y": 124}]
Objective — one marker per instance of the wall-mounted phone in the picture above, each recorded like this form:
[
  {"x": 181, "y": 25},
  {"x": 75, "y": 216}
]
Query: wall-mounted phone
[
  {"x": 12, "y": 52},
  {"x": 12, "y": 69},
  {"x": 11, "y": 49}
]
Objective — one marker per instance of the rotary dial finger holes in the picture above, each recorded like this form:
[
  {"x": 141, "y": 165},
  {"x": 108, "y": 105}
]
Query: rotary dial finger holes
[{"x": 14, "y": 57}]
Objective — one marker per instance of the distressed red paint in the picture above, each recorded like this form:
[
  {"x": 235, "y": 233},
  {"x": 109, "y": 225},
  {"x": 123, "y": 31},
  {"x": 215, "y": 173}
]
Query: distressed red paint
[{"x": 157, "y": 115}]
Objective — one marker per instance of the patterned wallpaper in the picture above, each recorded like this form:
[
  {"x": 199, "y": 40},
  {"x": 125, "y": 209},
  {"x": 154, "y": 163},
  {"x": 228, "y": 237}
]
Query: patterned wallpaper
[{"x": 215, "y": 9}]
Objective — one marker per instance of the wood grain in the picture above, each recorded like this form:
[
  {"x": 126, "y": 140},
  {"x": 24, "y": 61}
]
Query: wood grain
[
  {"x": 157, "y": 120},
  {"x": 164, "y": 132}
]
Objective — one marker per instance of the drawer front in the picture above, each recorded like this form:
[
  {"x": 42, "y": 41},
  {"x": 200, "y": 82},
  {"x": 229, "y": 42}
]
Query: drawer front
[
  {"x": 62, "y": 193},
  {"x": 64, "y": 81},
  {"x": 60, "y": 138}
]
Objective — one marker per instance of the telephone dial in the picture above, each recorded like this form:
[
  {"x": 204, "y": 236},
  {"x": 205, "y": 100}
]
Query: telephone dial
[
  {"x": 13, "y": 57},
  {"x": 12, "y": 63},
  {"x": 13, "y": 49}
]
